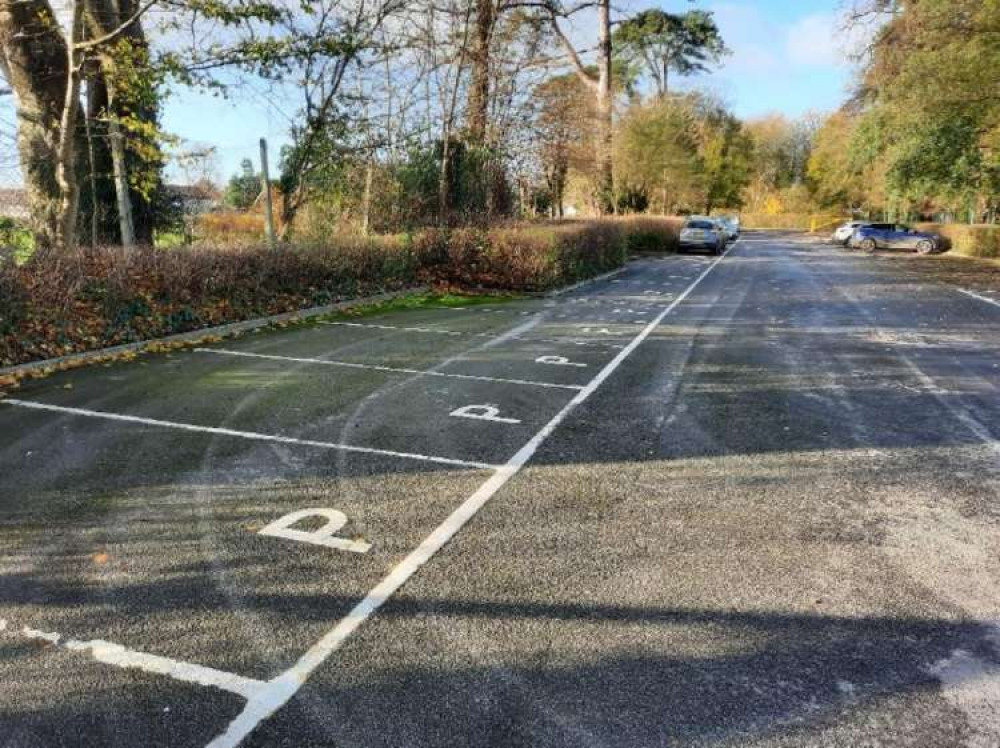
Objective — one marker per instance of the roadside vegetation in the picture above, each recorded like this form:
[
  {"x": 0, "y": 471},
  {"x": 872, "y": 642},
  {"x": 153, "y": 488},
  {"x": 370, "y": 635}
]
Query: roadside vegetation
[
  {"x": 59, "y": 303},
  {"x": 920, "y": 138}
]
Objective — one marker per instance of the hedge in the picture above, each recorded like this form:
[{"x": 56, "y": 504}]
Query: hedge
[
  {"x": 790, "y": 221},
  {"x": 56, "y": 304},
  {"x": 981, "y": 240}
]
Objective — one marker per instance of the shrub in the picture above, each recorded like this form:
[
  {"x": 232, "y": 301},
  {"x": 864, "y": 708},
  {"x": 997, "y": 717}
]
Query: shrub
[
  {"x": 535, "y": 257},
  {"x": 974, "y": 241},
  {"x": 646, "y": 234},
  {"x": 798, "y": 221},
  {"x": 230, "y": 228},
  {"x": 57, "y": 303}
]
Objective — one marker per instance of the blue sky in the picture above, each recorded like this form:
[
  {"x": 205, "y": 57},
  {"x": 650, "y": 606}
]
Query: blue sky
[{"x": 787, "y": 57}]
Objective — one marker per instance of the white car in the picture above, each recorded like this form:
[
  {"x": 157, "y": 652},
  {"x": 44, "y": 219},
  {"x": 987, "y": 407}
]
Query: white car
[{"x": 843, "y": 233}]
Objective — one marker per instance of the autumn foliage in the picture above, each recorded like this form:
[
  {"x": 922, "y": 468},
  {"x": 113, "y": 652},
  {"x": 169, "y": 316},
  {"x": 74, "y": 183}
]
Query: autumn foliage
[{"x": 60, "y": 303}]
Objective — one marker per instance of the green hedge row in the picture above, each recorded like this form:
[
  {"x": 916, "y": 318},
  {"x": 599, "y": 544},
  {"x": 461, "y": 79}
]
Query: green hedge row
[
  {"x": 973, "y": 241},
  {"x": 56, "y": 304}
]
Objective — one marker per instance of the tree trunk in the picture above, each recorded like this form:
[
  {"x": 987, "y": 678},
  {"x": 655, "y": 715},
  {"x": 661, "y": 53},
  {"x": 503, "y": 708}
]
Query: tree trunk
[
  {"x": 605, "y": 113},
  {"x": 102, "y": 200},
  {"x": 34, "y": 57},
  {"x": 101, "y": 17},
  {"x": 366, "y": 202},
  {"x": 444, "y": 180},
  {"x": 477, "y": 113},
  {"x": 66, "y": 174},
  {"x": 124, "y": 200},
  {"x": 93, "y": 223}
]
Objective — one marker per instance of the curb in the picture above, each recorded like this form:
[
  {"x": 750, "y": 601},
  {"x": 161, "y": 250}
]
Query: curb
[
  {"x": 223, "y": 331},
  {"x": 235, "y": 328},
  {"x": 580, "y": 284}
]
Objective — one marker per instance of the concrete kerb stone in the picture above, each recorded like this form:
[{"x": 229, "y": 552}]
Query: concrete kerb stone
[
  {"x": 236, "y": 328},
  {"x": 219, "y": 331}
]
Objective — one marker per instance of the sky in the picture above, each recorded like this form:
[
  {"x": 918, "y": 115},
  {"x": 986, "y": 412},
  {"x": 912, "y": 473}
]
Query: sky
[{"x": 788, "y": 56}]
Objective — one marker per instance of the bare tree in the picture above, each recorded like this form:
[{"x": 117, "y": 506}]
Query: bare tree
[{"x": 599, "y": 83}]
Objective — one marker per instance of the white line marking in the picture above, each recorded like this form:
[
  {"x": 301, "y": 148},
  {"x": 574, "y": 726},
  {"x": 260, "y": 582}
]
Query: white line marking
[
  {"x": 975, "y": 295},
  {"x": 389, "y": 369},
  {"x": 324, "y": 536},
  {"x": 436, "y": 330},
  {"x": 279, "y": 690},
  {"x": 482, "y": 413},
  {"x": 558, "y": 361},
  {"x": 245, "y": 434},
  {"x": 115, "y": 654}
]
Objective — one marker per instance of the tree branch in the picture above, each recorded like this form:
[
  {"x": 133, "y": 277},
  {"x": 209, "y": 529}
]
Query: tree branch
[
  {"x": 115, "y": 33},
  {"x": 581, "y": 71}
]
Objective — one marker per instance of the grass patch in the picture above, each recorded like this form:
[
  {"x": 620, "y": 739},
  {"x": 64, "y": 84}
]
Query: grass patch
[{"x": 431, "y": 300}]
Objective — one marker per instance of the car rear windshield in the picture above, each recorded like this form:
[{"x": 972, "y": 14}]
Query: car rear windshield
[{"x": 700, "y": 225}]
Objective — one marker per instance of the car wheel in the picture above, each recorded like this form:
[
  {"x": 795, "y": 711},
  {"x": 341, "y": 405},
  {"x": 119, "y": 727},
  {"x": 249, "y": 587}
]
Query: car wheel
[
  {"x": 925, "y": 247},
  {"x": 868, "y": 245}
]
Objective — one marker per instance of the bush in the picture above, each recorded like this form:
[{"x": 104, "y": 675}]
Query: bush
[
  {"x": 974, "y": 241},
  {"x": 797, "y": 221},
  {"x": 16, "y": 237},
  {"x": 56, "y": 303},
  {"x": 645, "y": 234},
  {"x": 535, "y": 257},
  {"x": 230, "y": 228}
]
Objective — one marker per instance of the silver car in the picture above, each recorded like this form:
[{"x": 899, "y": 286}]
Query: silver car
[
  {"x": 699, "y": 232},
  {"x": 731, "y": 225},
  {"x": 843, "y": 233}
]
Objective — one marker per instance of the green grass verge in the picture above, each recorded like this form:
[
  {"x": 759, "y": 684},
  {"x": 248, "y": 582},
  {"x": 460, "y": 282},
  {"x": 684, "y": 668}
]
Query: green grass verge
[{"x": 425, "y": 301}]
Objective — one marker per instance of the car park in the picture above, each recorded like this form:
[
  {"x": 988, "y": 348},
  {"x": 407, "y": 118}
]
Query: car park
[
  {"x": 843, "y": 233},
  {"x": 895, "y": 236},
  {"x": 702, "y": 233}
]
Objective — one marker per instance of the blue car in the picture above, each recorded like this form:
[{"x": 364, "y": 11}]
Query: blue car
[{"x": 872, "y": 236}]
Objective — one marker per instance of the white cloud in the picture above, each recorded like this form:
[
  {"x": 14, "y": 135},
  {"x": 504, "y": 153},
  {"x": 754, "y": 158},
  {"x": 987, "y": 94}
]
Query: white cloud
[
  {"x": 821, "y": 40},
  {"x": 748, "y": 34}
]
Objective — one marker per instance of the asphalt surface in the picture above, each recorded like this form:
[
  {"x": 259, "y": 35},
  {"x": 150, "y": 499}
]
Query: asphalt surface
[{"x": 771, "y": 521}]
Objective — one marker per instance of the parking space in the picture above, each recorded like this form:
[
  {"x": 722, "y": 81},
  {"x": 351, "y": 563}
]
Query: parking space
[{"x": 224, "y": 517}]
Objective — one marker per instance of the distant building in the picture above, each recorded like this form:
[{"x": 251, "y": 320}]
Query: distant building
[
  {"x": 194, "y": 199},
  {"x": 14, "y": 204}
]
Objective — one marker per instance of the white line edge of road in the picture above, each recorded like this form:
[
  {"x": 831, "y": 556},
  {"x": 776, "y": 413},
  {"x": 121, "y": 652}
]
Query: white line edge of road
[
  {"x": 280, "y": 690},
  {"x": 31, "y": 404},
  {"x": 389, "y": 369},
  {"x": 978, "y": 296},
  {"x": 115, "y": 654}
]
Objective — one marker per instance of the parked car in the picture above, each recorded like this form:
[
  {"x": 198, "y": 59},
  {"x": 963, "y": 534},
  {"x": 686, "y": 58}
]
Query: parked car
[
  {"x": 731, "y": 225},
  {"x": 843, "y": 233},
  {"x": 699, "y": 232},
  {"x": 894, "y": 236}
]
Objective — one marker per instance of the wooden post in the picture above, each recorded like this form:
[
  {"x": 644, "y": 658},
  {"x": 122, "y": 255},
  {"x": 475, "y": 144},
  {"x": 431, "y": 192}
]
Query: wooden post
[{"x": 265, "y": 185}]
